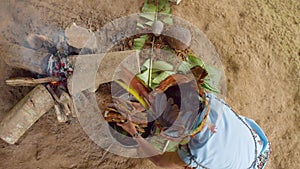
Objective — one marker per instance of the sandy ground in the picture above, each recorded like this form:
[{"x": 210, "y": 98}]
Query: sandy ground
[{"x": 258, "y": 42}]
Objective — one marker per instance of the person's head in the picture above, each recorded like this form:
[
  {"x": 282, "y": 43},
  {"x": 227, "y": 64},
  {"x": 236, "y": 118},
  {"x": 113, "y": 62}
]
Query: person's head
[{"x": 177, "y": 109}]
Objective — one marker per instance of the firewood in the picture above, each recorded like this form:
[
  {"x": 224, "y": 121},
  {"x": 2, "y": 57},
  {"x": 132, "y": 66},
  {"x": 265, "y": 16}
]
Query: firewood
[
  {"x": 65, "y": 101},
  {"x": 64, "y": 106},
  {"x": 61, "y": 117},
  {"x": 25, "y": 113},
  {"x": 25, "y": 81},
  {"x": 28, "y": 59},
  {"x": 53, "y": 94},
  {"x": 37, "y": 42}
]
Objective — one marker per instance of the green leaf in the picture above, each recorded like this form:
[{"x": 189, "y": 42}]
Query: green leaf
[
  {"x": 214, "y": 76},
  {"x": 145, "y": 65},
  {"x": 157, "y": 66},
  {"x": 148, "y": 8},
  {"x": 166, "y": 10},
  {"x": 191, "y": 61},
  {"x": 162, "y": 65},
  {"x": 195, "y": 60},
  {"x": 139, "y": 25},
  {"x": 149, "y": 23},
  {"x": 160, "y": 70},
  {"x": 162, "y": 76},
  {"x": 207, "y": 86},
  {"x": 162, "y": 4},
  {"x": 148, "y": 16},
  {"x": 185, "y": 67},
  {"x": 164, "y": 7},
  {"x": 144, "y": 76},
  {"x": 168, "y": 20},
  {"x": 140, "y": 42}
]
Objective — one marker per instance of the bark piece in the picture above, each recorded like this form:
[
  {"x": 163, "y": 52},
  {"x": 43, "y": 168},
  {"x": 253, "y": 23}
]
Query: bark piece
[{"x": 25, "y": 113}]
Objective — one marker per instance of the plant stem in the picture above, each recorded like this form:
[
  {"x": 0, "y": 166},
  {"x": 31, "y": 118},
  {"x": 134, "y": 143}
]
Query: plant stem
[
  {"x": 151, "y": 63},
  {"x": 152, "y": 48}
]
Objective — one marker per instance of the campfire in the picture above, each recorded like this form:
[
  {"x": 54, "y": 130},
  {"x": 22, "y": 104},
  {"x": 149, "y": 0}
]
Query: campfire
[
  {"x": 52, "y": 64},
  {"x": 49, "y": 60}
]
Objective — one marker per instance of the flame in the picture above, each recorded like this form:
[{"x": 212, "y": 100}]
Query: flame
[{"x": 54, "y": 83}]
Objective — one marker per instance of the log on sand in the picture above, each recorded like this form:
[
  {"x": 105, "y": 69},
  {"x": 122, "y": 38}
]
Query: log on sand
[{"x": 25, "y": 113}]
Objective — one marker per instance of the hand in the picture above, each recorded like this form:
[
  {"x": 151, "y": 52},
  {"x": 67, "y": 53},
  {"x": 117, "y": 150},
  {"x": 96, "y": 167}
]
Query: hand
[{"x": 129, "y": 127}]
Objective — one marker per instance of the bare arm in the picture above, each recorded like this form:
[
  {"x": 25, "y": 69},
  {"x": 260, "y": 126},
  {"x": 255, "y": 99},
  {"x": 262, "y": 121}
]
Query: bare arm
[{"x": 166, "y": 160}]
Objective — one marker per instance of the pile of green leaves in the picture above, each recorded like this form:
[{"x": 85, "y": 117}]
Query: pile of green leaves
[
  {"x": 160, "y": 70},
  {"x": 153, "y": 73},
  {"x": 150, "y": 13},
  {"x": 151, "y": 9}
]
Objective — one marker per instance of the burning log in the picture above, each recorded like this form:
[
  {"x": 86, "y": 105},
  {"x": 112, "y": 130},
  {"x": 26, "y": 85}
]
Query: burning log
[
  {"x": 38, "y": 42},
  {"x": 25, "y": 81},
  {"x": 28, "y": 59},
  {"x": 25, "y": 113}
]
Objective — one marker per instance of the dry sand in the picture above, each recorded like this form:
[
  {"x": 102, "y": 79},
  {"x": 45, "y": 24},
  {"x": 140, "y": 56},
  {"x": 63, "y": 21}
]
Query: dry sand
[{"x": 258, "y": 42}]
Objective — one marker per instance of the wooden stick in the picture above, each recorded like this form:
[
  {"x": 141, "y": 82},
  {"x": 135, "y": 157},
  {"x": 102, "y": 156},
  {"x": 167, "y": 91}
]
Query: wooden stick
[
  {"x": 53, "y": 94},
  {"x": 26, "y": 81},
  {"x": 67, "y": 103},
  {"x": 61, "y": 117}
]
